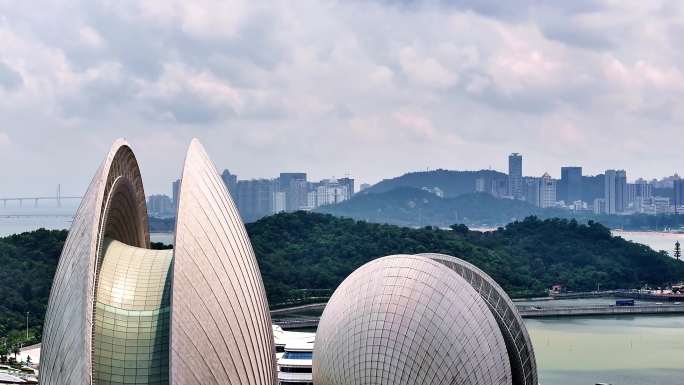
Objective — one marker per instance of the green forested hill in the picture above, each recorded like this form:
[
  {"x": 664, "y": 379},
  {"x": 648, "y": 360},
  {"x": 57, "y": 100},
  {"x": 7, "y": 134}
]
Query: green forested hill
[
  {"x": 27, "y": 264},
  {"x": 313, "y": 251},
  {"x": 408, "y": 206},
  {"x": 453, "y": 183},
  {"x": 303, "y": 254}
]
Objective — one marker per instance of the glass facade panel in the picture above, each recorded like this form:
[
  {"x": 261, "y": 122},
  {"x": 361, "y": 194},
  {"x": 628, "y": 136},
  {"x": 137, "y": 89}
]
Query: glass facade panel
[{"x": 131, "y": 320}]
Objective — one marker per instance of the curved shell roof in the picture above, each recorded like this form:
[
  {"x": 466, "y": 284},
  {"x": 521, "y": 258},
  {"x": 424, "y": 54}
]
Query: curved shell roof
[
  {"x": 220, "y": 325},
  {"x": 409, "y": 320},
  {"x": 115, "y": 194},
  {"x": 518, "y": 342}
]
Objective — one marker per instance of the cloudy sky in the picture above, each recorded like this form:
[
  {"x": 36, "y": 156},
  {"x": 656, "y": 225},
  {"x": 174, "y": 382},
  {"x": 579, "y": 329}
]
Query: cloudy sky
[{"x": 375, "y": 89}]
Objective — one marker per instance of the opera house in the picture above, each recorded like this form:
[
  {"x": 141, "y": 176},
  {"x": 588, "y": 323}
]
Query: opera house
[{"x": 122, "y": 313}]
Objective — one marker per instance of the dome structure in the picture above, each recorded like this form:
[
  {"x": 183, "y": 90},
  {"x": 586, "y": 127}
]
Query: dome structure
[
  {"x": 120, "y": 313},
  {"x": 409, "y": 319},
  {"x": 511, "y": 325}
]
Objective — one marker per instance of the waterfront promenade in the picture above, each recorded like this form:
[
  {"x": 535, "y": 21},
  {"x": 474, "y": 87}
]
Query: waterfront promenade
[{"x": 297, "y": 322}]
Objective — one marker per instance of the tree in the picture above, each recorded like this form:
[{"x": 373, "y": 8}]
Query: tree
[{"x": 678, "y": 251}]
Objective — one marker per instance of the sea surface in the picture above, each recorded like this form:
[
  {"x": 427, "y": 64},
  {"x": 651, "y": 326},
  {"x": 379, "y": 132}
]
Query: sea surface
[
  {"x": 625, "y": 350},
  {"x": 656, "y": 240},
  {"x": 639, "y": 350},
  {"x": 15, "y": 220}
]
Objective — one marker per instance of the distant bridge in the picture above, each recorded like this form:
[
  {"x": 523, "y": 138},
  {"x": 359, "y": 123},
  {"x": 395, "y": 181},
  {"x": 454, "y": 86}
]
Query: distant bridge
[
  {"x": 58, "y": 198},
  {"x": 17, "y": 216}
]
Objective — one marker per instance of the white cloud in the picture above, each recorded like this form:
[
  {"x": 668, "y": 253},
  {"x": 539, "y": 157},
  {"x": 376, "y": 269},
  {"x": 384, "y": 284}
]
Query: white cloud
[
  {"x": 4, "y": 140},
  {"x": 328, "y": 87}
]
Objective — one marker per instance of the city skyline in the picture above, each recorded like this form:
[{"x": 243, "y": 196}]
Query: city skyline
[
  {"x": 453, "y": 84},
  {"x": 164, "y": 188}
]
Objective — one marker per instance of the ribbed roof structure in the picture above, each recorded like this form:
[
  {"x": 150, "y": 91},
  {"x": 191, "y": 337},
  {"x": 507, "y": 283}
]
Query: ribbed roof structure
[{"x": 120, "y": 313}]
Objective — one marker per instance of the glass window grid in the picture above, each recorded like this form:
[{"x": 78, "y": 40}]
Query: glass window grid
[{"x": 132, "y": 317}]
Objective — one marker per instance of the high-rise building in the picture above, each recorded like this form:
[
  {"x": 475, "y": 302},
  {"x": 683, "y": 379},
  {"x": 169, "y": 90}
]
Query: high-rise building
[
  {"x": 295, "y": 185},
  {"x": 349, "y": 182},
  {"x": 644, "y": 189},
  {"x": 609, "y": 191},
  {"x": 570, "y": 186},
  {"x": 330, "y": 191},
  {"x": 160, "y": 206},
  {"x": 631, "y": 194},
  {"x": 279, "y": 201},
  {"x": 296, "y": 194},
  {"x": 255, "y": 198},
  {"x": 531, "y": 190},
  {"x": 621, "y": 191},
  {"x": 515, "y": 188},
  {"x": 230, "y": 180},
  {"x": 547, "y": 191},
  {"x": 175, "y": 188},
  {"x": 679, "y": 196},
  {"x": 599, "y": 206},
  {"x": 285, "y": 178},
  {"x": 364, "y": 186}
]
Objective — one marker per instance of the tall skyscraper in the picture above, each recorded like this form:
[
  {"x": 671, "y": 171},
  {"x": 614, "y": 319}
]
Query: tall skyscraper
[
  {"x": 643, "y": 188},
  {"x": 570, "y": 188},
  {"x": 230, "y": 180},
  {"x": 621, "y": 191},
  {"x": 515, "y": 176},
  {"x": 349, "y": 182},
  {"x": 679, "y": 196},
  {"x": 609, "y": 191},
  {"x": 160, "y": 206},
  {"x": 286, "y": 177},
  {"x": 295, "y": 185},
  {"x": 175, "y": 188},
  {"x": 532, "y": 190},
  {"x": 547, "y": 191},
  {"x": 255, "y": 198}
]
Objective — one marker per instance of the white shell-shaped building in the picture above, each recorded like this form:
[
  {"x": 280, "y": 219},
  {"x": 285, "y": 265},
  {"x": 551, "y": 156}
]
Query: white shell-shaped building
[
  {"x": 415, "y": 320},
  {"x": 120, "y": 313}
]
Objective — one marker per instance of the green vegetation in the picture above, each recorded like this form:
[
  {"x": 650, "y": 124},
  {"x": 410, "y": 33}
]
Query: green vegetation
[
  {"x": 453, "y": 183},
  {"x": 303, "y": 251},
  {"x": 28, "y": 263},
  {"x": 408, "y": 206},
  {"x": 304, "y": 256}
]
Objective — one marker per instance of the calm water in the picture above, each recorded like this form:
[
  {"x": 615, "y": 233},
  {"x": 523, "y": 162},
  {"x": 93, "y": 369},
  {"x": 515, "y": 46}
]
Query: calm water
[
  {"x": 656, "y": 240},
  {"x": 15, "y": 220},
  {"x": 643, "y": 350}
]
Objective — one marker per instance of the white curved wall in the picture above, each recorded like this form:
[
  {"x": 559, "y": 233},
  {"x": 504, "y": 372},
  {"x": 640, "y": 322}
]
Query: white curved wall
[
  {"x": 220, "y": 325},
  {"x": 66, "y": 355},
  {"x": 408, "y": 320}
]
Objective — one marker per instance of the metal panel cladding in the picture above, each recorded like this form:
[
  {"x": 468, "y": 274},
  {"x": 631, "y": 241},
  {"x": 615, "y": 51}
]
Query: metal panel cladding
[
  {"x": 408, "y": 320},
  {"x": 220, "y": 325},
  {"x": 518, "y": 342},
  {"x": 115, "y": 195}
]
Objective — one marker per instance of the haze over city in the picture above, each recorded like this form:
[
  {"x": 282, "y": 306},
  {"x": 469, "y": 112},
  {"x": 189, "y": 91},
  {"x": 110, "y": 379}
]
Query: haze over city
[{"x": 375, "y": 89}]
